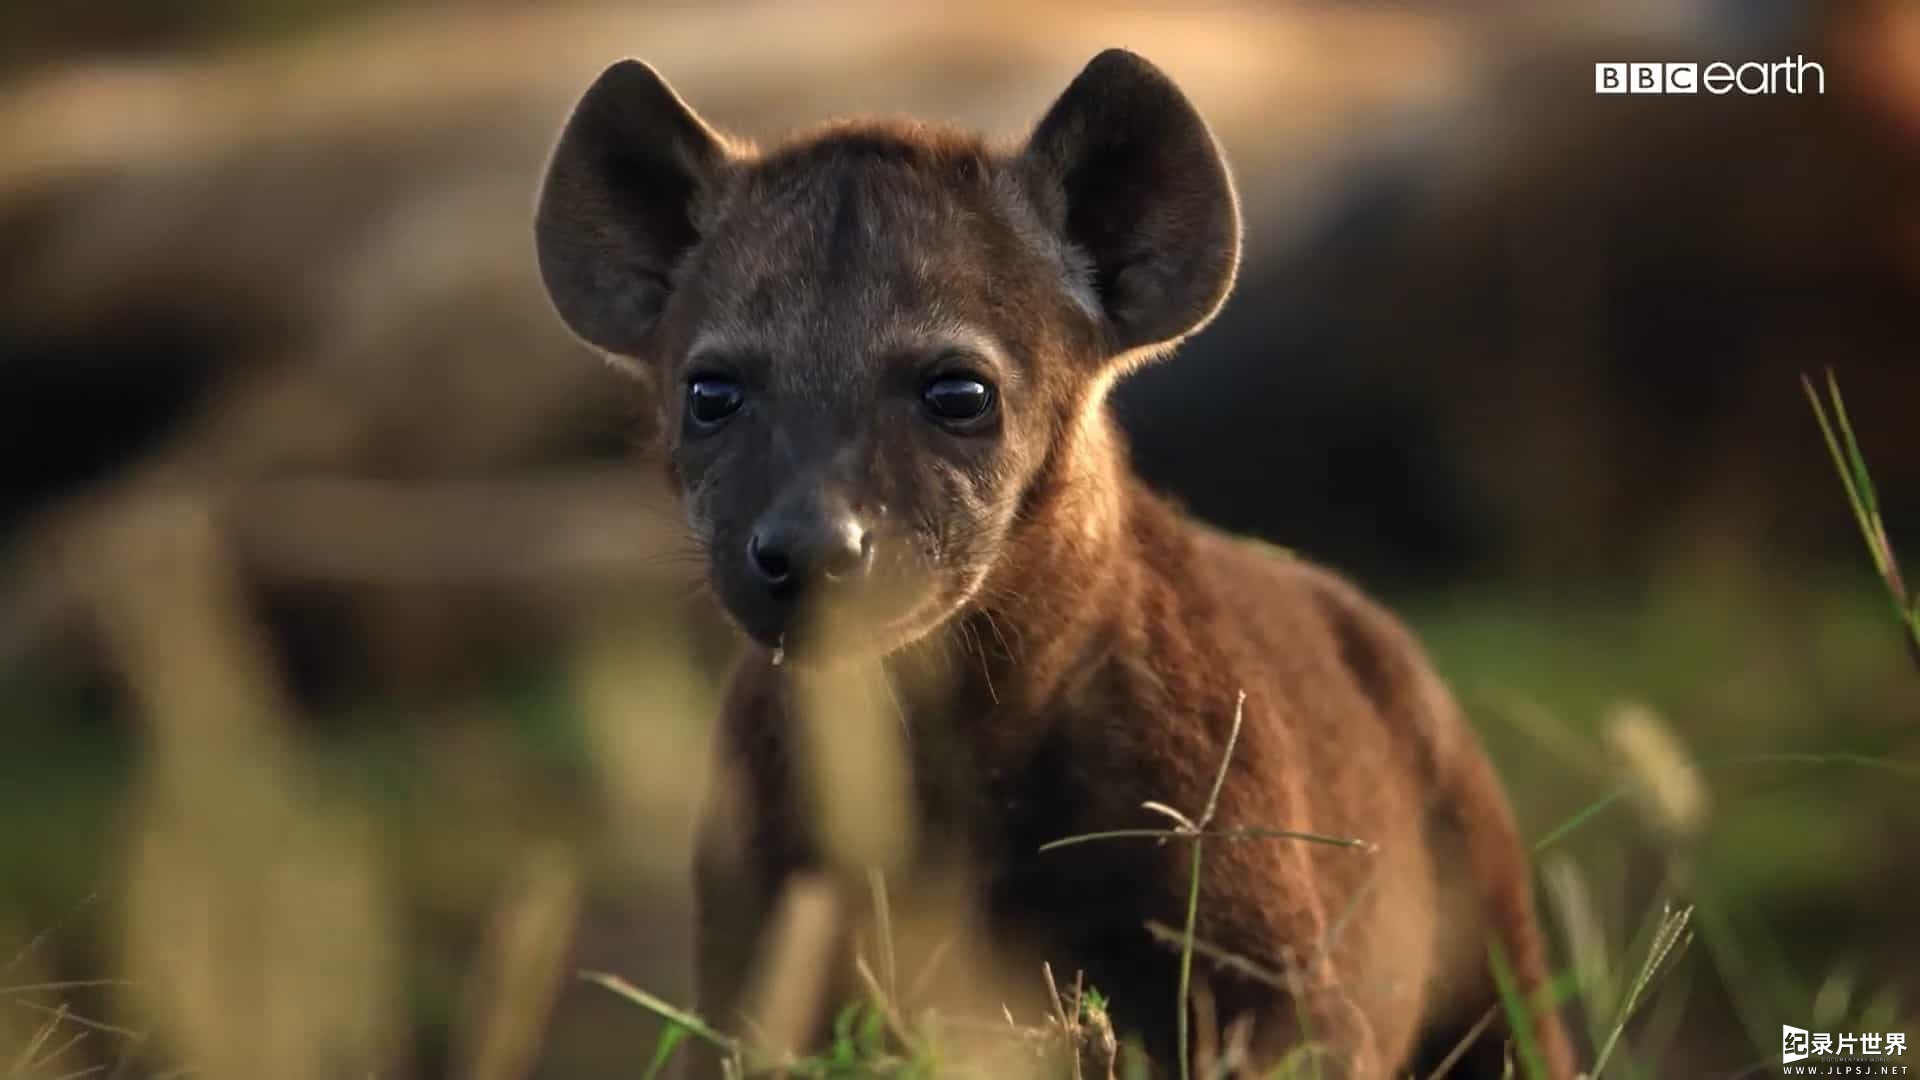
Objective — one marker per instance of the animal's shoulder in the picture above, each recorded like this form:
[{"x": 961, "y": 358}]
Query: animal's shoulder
[
  {"x": 1285, "y": 613},
  {"x": 1275, "y": 591}
]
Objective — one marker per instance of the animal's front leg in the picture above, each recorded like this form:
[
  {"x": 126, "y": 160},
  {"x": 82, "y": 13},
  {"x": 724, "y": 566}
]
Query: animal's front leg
[
  {"x": 1327, "y": 1031},
  {"x": 731, "y": 910},
  {"x": 1322, "y": 1002},
  {"x": 769, "y": 940}
]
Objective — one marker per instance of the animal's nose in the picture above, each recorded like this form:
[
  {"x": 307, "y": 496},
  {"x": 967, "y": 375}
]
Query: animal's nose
[{"x": 789, "y": 551}]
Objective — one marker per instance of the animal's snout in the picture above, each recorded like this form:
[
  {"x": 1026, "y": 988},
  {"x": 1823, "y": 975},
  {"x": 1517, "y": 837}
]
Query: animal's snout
[{"x": 804, "y": 546}]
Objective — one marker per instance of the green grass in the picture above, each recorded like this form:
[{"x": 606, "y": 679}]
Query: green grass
[
  {"x": 1751, "y": 869},
  {"x": 1791, "y": 831}
]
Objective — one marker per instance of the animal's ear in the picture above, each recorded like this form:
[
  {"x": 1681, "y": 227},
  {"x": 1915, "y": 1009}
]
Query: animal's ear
[
  {"x": 616, "y": 209},
  {"x": 1123, "y": 168}
]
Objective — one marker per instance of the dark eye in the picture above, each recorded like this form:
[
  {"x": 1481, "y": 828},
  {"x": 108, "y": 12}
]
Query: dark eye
[
  {"x": 711, "y": 399},
  {"x": 958, "y": 399}
]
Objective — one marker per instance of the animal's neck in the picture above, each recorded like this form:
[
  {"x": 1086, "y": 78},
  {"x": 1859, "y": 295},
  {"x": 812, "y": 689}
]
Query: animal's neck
[
  {"x": 982, "y": 698},
  {"x": 1067, "y": 579}
]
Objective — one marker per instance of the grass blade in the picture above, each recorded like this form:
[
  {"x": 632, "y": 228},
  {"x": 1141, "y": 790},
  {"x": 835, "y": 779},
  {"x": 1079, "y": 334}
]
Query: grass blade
[
  {"x": 1908, "y": 770},
  {"x": 1242, "y": 832},
  {"x": 1670, "y": 940},
  {"x": 671, "y": 1037},
  {"x": 1183, "y": 1036},
  {"x": 672, "y": 1014},
  {"x": 1859, "y": 503},
  {"x": 1519, "y": 1017},
  {"x": 1851, "y": 464}
]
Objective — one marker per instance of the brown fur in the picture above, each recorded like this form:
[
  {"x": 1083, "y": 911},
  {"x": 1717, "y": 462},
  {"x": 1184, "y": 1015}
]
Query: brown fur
[{"x": 1065, "y": 644}]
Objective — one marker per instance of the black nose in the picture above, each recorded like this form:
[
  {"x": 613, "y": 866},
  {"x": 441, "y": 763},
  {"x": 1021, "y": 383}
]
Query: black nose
[{"x": 789, "y": 551}]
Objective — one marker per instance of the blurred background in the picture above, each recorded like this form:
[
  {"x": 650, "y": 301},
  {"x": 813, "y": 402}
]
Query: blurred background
[{"x": 353, "y": 682}]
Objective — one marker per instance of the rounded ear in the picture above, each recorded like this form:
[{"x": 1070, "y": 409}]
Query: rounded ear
[
  {"x": 1125, "y": 171},
  {"x": 616, "y": 209}
]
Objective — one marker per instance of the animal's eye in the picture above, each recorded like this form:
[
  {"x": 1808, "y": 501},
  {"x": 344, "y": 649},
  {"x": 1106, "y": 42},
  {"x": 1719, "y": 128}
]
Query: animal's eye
[
  {"x": 957, "y": 399},
  {"x": 711, "y": 399}
]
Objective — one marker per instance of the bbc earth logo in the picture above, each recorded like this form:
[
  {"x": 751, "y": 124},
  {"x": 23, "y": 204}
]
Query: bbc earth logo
[
  {"x": 1793, "y": 75},
  {"x": 1869, "y": 1053}
]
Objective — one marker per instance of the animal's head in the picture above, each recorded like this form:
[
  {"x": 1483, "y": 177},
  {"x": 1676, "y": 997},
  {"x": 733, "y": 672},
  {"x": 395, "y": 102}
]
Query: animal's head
[{"x": 873, "y": 343}]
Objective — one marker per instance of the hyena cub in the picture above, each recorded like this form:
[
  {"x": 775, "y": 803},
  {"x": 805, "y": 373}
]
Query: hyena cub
[{"x": 883, "y": 352}]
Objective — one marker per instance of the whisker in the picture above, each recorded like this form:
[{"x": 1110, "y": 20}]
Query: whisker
[
  {"x": 986, "y": 666},
  {"x": 995, "y": 627}
]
